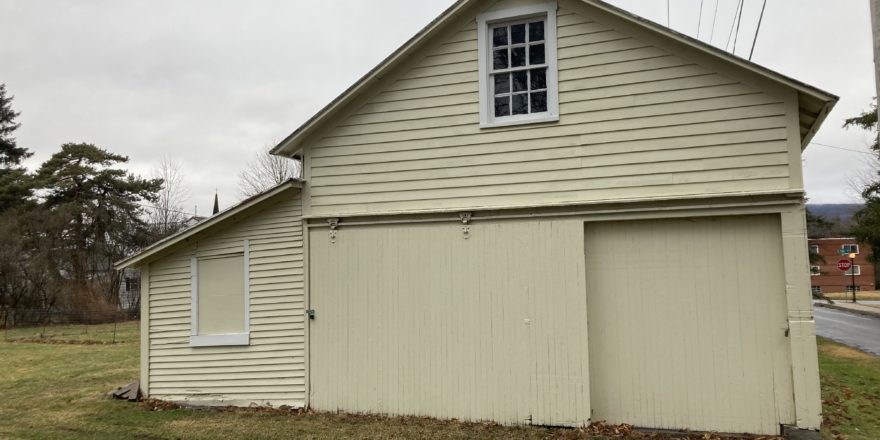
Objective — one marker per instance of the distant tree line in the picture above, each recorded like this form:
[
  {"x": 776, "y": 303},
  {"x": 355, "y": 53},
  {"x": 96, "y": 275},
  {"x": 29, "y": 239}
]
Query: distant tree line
[{"x": 63, "y": 226}]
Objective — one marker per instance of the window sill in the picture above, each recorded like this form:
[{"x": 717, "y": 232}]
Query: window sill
[
  {"x": 524, "y": 121},
  {"x": 228, "y": 340}
]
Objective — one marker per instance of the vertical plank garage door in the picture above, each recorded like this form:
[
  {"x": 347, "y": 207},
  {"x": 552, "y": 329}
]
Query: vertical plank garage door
[
  {"x": 686, "y": 324},
  {"x": 415, "y": 319}
]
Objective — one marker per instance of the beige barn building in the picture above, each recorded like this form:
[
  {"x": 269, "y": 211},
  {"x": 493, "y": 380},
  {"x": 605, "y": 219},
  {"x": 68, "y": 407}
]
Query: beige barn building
[{"x": 461, "y": 243}]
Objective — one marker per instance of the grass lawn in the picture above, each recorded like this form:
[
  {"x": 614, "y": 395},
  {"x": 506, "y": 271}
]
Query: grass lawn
[
  {"x": 850, "y": 392},
  {"x": 59, "y": 391}
]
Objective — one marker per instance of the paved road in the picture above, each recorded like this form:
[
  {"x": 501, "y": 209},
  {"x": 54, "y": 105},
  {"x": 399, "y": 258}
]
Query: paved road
[{"x": 862, "y": 332}]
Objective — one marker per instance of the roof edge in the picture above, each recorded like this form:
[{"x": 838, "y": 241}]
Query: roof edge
[
  {"x": 723, "y": 54},
  {"x": 167, "y": 242},
  {"x": 290, "y": 144}
]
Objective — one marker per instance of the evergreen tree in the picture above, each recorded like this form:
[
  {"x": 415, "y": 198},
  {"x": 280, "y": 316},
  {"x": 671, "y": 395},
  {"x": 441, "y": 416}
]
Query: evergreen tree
[
  {"x": 867, "y": 220},
  {"x": 14, "y": 181},
  {"x": 102, "y": 212}
]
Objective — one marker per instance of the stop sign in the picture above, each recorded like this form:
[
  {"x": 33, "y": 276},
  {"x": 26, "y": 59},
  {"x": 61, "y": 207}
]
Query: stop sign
[{"x": 844, "y": 265}]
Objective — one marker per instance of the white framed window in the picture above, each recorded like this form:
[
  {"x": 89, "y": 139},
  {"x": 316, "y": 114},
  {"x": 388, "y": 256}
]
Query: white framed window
[
  {"x": 518, "y": 66},
  {"x": 220, "y": 313},
  {"x": 815, "y": 271},
  {"x": 814, "y": 249},
  {"x": 816, "y": 289},
  {"x": 850, "y": 288},
  {"x": 856, "y": 269},
  {"x": 850, "y": 248}
]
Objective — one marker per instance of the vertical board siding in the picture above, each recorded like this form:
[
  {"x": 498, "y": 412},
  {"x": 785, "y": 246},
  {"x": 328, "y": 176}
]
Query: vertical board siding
[
  {"x": 688, "y": 331},
  {"x": 271, "y": 370},
  {"x": 418, "y": 320},
  {"x": 636, "y": 121}
]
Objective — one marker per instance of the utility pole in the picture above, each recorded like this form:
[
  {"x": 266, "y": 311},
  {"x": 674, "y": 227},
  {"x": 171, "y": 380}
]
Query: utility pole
[{"x": 875, "y": 27}]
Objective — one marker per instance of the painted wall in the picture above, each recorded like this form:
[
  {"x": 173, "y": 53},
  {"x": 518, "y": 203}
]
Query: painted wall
[
  {"x": 703, "y": 317},
  {"x": 641, "y": 117},
  {"x": 415, "y": 319},
  {"x": 831, "y": 279},
  {"x": 272, "y": 369}
]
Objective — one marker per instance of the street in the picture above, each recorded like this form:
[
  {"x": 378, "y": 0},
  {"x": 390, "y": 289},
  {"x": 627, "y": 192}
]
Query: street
[{"x": 857, "y": 331}]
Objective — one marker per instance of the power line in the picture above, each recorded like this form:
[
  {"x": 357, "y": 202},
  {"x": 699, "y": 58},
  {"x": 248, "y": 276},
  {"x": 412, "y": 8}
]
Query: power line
[
  {"x": 714, "y": 19},
  {"x": 760, "y": 20},
  {"x": 851, "y": 150},
  {"x": 700, "y": 19},
  {"x": 739, "y": 21},
  {"x": 732, "y": 24}
]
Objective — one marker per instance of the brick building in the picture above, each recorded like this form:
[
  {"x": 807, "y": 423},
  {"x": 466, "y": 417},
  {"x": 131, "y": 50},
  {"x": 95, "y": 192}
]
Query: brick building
[{"x": 827, "y": 278}]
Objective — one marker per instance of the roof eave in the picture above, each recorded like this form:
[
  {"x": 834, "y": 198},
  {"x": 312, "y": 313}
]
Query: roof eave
[
  {"x": 727, "y": 56},
  {"x": 172, "y": 240},
  {"x": 292, "y": 144}
]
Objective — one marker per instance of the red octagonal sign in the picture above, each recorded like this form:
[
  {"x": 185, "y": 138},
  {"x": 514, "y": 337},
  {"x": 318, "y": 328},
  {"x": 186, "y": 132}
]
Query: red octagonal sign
[{"x": 844, "y": 265}]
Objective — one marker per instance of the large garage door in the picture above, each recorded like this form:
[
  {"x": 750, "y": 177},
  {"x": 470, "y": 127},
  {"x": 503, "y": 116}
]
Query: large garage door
[
  {"x": 687, "y": 324},
  {"x": 417, "y": 319}
]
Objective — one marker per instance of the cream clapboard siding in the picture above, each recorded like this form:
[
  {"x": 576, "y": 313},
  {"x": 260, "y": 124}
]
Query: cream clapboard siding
[
  {"x": 272, "y": 369},
  {"x": 637, "y": 121},
  {"x": 414, "y": 319},
  {"x": 688, "y": 332}
]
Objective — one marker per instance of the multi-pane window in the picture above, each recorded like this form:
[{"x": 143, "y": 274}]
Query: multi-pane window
[
  {"x": 850, "y": 248},
  {"x": 518, "y": 65},
  {"x": 814, "y": 249},
  {"x": 519, "y": 68},
  {"x": 815, "y": 271},
  {"x": 857, "y": 270},
  {"x": 816, "y": 289}
]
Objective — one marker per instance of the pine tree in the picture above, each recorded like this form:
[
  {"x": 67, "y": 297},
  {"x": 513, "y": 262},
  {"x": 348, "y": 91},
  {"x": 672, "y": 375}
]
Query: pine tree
[
  {"x": 14, "y": 181},
  {"x": 102, "y": 212}
]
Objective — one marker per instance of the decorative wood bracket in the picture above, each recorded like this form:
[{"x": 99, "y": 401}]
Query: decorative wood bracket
[
  {"x": 334, "y": 225},
  {"x": 466, "y": 224}
]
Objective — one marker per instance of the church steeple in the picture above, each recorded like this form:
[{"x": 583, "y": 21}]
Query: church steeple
[{"x": 216, "y": 204}]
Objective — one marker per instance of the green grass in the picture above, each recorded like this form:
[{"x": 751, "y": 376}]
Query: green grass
[
  {"x": 59, "y": 391},
  {"x": 850, "y": 392}
]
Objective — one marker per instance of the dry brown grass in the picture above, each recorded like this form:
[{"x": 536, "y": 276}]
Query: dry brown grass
[
  {"x": 844, "y": 352},
  {"x": 861, "y": 296}
]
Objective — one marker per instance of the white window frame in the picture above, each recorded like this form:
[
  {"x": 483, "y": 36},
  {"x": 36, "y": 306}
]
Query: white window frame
[
  {"x": 816, "y": 289},
  {"x": 856, "y": 268},
  {"x": 818, "y": 271},
  {"x": 224, "y": 340},
  {"x": 484, "y": 42},
  {"x": 844, "y": 246},
  {"x": 816, "y": 247}
]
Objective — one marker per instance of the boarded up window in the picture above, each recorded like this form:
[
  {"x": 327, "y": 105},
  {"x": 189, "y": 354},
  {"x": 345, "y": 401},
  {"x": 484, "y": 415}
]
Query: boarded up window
[{"x": 221, "y": 295}]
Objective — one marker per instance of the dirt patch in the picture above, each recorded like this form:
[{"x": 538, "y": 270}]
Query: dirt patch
[{"x": 844, "y": 352}]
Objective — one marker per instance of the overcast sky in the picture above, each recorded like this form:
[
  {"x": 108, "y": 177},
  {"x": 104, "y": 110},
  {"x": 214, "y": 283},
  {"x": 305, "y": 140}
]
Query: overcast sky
[{"x": 210, "y": 83}]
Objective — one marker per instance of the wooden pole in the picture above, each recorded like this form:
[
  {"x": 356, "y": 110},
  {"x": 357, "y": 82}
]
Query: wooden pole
[{"x": 875, "y": 26}]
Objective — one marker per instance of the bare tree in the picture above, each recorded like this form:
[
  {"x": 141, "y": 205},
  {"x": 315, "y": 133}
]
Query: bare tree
[
  {"x": 166, "y": 213},
  {"x": 266, "y": 171}
]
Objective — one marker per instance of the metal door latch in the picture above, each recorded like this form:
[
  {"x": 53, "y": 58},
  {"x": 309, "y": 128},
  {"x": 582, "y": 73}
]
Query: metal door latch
[{"x": 310, "y": 313}]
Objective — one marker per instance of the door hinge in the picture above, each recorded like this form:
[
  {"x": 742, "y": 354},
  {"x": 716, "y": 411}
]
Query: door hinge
[
  {"x": 334, "y": 226},
  {"x": 466, "y": 224}
]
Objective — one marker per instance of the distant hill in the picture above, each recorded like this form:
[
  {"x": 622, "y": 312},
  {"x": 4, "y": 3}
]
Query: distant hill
[
  {"x": 836, "y": 212},
  {"x": 838, "y": 219}
]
